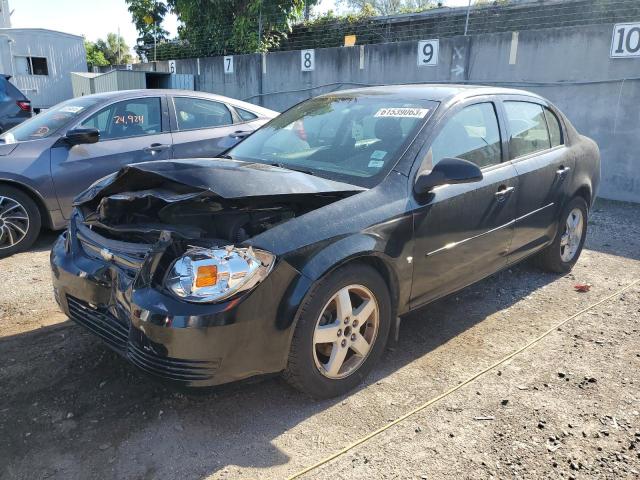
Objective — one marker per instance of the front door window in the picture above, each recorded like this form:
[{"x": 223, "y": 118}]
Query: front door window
[
  {"x": 126, "y": 119},
  {"x": 471, "y": 134}
]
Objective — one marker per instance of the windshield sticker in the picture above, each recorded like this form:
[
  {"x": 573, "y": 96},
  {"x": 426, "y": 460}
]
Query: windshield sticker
[
  {"x": 40, "y": 132},
  {"x": 376, "y": 164},
  {"x": 378, "y": 154},
  {"x": 71, "y": 109},
  {"x": 402, "y": 112}
]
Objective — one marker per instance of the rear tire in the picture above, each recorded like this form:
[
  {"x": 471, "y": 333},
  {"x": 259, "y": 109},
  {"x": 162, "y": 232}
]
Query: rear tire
[
  {"x": 341, "y": 332},
  {"x": 563, "y": 253},
  {"x": 19, "y": 221}
]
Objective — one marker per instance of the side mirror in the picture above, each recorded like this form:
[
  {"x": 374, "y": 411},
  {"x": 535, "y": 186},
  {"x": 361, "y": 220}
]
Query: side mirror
[
  {"x": 447, "y": 171},
  {"x": 82, "y": 135}
]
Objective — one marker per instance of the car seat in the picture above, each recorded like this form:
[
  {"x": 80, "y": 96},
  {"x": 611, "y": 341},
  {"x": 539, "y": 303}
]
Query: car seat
[{"x": 389, "y": 132}]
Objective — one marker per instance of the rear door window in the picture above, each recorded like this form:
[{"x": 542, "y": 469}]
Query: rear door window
[
  {"x": 194, "y": 113},
  {"x": 528, "y": 128},
  {"x": 246, "y": 115},
  {"x": 555, "y": 132}
]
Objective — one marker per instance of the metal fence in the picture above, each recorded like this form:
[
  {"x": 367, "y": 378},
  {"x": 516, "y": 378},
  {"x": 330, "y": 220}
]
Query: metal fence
[{"x": 499, "y": 16}]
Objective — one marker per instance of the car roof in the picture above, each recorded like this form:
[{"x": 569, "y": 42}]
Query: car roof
[
  {"x": 152, "y": 92},
  {"x": 431, "y": 91}
]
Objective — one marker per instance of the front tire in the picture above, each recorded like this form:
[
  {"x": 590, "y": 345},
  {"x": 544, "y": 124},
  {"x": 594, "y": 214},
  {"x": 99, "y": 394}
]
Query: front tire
[
  {"x": 19, "y": 221},
  {"x": 341, "y": 332},
  {"x": 563, "y": 253}
]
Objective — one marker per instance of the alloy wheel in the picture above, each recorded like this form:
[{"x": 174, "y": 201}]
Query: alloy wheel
[
  {"x": 14, "y": 222},
  {"x": 572, "y": 235},
  {"x": 346, "y": 331}
]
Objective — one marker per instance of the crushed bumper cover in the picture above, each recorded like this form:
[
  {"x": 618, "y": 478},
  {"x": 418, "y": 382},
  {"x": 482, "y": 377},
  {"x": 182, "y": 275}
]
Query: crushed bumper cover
[{"x": 193, "y": 344}]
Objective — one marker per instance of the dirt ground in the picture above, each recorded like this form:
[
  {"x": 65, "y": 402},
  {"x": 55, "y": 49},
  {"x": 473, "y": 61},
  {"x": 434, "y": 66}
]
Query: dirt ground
[{"x": 567, "y": 407}]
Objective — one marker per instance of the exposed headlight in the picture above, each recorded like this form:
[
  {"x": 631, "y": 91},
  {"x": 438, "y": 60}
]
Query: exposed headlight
[{"x": 204, "y": 275}]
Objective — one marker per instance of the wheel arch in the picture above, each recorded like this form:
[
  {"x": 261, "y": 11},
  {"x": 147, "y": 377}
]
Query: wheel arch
[
  {"x": 358, "y": 249},
  {"x": 376, "y": 261},
  {"x": 584, "y": 191},
  {"x": 45, "y": 217}
]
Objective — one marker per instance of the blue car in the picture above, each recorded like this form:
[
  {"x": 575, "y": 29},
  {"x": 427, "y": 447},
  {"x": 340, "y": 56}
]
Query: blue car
[
  {"x": 47, "y": 160},
  {"x": 15, "y": 108}
]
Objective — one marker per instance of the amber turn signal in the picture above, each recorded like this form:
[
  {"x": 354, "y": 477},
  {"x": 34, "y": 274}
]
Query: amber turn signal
[{"x": 207, "y": 276}]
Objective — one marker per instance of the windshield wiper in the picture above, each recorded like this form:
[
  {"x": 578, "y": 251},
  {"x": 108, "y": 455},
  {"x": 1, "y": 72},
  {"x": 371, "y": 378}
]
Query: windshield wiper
[
  {"x": 288, "y": 167},
  {"x": 227, "y": 156}
]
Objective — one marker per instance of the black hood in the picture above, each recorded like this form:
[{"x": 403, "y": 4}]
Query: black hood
[{"x": 227, "y": 179}]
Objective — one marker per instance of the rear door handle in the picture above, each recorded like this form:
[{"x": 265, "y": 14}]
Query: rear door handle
[
  {"x": 562, "y": 172},
  {"x": 503, "y": 192},
  {"x": 240, "y": 133},
  {"x": 156, "y": 147}
]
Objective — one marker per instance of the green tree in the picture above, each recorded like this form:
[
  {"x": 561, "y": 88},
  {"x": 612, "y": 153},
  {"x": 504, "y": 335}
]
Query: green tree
[
  {"x": 147, "y": 16},
  {"x": 214, "y": 27},
  {"x": 390, "y": 7},
  {"x": 95, "y": 57},
  {"x": 114, "y": 49}
]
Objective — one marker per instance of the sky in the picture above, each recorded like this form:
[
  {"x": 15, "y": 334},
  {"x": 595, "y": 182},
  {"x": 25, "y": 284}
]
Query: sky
[{"x": 93, "y": 19}]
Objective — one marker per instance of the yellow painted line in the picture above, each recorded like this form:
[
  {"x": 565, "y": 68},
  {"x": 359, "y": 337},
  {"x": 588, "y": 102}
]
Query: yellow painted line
[{"x": 428, "y": 403}]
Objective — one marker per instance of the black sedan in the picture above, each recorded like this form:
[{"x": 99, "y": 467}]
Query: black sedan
[
  {"x": 49, "y": 159},
  {"x": 297, "y": 249}
]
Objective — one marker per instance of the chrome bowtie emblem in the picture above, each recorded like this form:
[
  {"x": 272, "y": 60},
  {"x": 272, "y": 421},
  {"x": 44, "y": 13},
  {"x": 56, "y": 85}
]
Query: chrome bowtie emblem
[{"x": 106, "y": 255}]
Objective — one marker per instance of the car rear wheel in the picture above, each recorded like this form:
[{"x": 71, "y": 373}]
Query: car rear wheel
[
  {"x": 563, "y": 253},
  {"x": 19, "y": 221},
  {"x": 341, "y": 332}
]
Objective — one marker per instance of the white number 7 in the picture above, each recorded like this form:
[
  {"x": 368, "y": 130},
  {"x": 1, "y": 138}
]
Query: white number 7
[{"x": 228, "y": 64}]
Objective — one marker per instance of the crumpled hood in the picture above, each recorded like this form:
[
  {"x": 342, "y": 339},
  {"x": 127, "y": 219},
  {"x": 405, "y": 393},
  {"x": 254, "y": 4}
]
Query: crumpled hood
[{"x": 228, "y": 179}]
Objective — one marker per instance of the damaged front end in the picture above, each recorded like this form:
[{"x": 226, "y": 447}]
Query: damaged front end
[
  {"x": 189, "y": 222},
  {"x": 159, "y": 254},
  {"x": 225, "y": 200}
]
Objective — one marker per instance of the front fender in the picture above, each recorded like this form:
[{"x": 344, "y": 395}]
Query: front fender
[
  {"x": 387, "y": 246},
  {"x": 337, "y": 253},
  {"x": 28, "y": 166}
]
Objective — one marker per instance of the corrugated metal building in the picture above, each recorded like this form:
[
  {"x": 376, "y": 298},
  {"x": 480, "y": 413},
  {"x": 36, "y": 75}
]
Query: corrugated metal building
[
  {"x": 40, "y": 62},
  {"x": 86, "y": 83}
]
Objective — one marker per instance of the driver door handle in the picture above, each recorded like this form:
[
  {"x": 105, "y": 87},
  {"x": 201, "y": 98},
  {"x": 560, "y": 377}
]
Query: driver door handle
[
  {"x": 156, "y": 147},
  {"x": 562, "y": 171},
  {"x": 503, "y": 192}
]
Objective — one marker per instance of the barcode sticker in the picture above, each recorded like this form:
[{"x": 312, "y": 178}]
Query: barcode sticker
[{"x": 402, "y": 112}]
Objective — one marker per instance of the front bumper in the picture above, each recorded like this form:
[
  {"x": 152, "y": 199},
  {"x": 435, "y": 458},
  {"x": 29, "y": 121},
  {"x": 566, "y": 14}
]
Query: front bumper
[{"x": 193, "y": 344}]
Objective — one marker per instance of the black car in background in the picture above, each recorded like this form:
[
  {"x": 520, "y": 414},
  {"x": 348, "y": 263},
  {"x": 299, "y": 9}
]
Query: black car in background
[
  {"x": 296, "y": 251},
  {"x": 47, "y": 160},
  {"x": 15, "y": 108}
]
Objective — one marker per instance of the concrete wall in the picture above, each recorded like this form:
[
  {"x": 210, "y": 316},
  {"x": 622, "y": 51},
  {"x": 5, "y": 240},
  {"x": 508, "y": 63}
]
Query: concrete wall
[{"x": 570, "y": 66}]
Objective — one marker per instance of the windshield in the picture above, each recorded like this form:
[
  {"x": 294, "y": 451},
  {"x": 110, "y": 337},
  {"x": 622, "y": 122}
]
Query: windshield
[
  {"x": 47, "y": 123},
  {"x": 350, "y": 138}
]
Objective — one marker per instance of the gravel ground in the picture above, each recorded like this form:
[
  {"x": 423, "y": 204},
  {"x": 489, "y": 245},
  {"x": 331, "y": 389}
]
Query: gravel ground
[{"x": 567, "y": 407}]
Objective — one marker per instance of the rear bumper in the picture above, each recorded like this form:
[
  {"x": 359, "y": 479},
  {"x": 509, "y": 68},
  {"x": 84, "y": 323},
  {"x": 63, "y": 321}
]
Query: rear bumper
[{"x": 195, "y": 345}]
